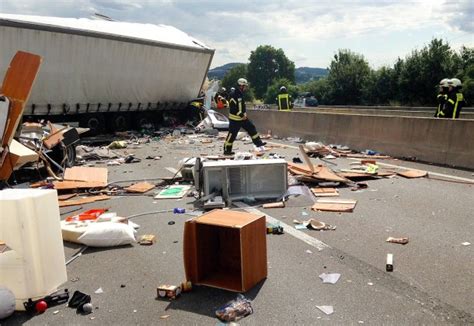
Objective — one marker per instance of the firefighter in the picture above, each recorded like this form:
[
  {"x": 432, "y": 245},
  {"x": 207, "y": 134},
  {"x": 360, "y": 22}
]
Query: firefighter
[
  {"x": 442, "y": 98},
  {"x": 284, "y": 100},
  {"x": 455, "y": 100},
  {"x": 221, "y": 98},
  {"x": 238, "y": 118}
]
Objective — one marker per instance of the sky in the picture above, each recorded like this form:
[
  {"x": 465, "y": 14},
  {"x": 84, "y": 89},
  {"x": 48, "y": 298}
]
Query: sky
[{"x": 310, "y": 32}]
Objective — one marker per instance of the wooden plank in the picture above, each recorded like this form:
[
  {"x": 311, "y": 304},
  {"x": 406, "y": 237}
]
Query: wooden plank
[
  {"x": 87, "y": 174},
  {"x": 335, "y": 205},
  {"x": 253, "y": 244},
  {"x": 140, "y": 187},
  {"x": 413, "y": 173},
  {"x": 306, "y": 158},
  {"x": 68, "y": 185},
  {"x": 278, "y": 204},
  {"x": 325, "y": 192},
  {"x": 66, "y": 197},
  {"x": 82, "y": 201},
  {"x": 17, "y": 86}
]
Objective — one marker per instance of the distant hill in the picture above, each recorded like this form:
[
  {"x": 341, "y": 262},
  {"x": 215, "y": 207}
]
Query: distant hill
[
  {"x": 219, "y": 72},
  {"x": 305, "y": 74},
  {"x": 302, "y": 74}
]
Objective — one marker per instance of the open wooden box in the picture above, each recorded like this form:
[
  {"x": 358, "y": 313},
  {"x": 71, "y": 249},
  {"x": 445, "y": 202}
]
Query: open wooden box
[{"x": 226, "y": 249}]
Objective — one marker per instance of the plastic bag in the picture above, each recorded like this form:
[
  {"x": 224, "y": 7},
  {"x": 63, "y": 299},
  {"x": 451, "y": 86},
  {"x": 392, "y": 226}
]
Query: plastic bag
[{"x": 235, "y": 309}]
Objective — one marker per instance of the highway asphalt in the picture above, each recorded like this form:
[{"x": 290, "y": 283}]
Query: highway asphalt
[{"x": 432, "y": 281}]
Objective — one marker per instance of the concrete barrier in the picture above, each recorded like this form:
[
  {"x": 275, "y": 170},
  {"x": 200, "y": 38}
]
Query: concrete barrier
[{"x": 439, "y": 141}]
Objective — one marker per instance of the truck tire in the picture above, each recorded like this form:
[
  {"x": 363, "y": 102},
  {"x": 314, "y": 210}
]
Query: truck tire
[
  {"x": 95, "y": 122},
  {"x": 120, "y": 122}
]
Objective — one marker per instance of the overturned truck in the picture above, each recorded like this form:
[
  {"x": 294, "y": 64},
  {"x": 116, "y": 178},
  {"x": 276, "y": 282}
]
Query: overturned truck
[{"x": 106, "y": 74}]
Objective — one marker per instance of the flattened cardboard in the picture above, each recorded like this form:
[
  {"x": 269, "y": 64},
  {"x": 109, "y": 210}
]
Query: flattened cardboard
[{"x": 140, "y": 187}]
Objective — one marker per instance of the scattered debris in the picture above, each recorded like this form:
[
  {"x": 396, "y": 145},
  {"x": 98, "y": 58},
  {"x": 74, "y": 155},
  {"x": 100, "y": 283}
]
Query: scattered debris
[
  {"x": 335, "y": 205},
  {"x": 168, "y": 291},
  {"x": 397, "y": 240},
  {"x": 274, "y": 229},
  {"x": 235, "y": 309},
  {"x": 466, "y": 243},
  {"x": 147, "y": 239},
  {"x": 280, "y": 204},
  {"x": 313, "y": 224},
  {"x": 328, "y": 310},
  {"x": 99, "y": 291},
  {"x": 389, "y": 265},
  {"x": 330, "y": 278}
]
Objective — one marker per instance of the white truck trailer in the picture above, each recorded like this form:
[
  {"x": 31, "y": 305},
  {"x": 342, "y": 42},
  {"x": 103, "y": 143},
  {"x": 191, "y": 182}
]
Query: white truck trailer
[{"x": 106, "y": 74}]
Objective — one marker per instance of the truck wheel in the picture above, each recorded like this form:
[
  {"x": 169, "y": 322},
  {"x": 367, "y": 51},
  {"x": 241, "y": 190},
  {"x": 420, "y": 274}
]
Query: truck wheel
[
  {"x": 95, "y": 122},
  {"x": 143, "y": 119},
  {"x": 120, "y": 122}
]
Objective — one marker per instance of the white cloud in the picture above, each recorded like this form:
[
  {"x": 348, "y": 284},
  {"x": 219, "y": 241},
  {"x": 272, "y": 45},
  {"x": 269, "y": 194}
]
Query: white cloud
[{"x": 309, "y": 31}]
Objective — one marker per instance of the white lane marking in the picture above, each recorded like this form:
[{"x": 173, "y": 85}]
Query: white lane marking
[
  {"x": 398, "y": 166},
  {"x": 318, "y": 244}
]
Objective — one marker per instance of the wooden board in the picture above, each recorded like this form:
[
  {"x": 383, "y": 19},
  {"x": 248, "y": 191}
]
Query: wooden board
[
  {"x": 306, "y": 159},
  {"x": 325, "y": 192},
  {"x": 140, "y": 187},
  {"x": 18, "y": 156},
  {"x": 321, "y": 172},
  {"x": 82, "y": 201},
  {"x": 68, "y": 185},
  {"x": 413, "y": 173},
  {"x": 335, "y": 205},
  {"x": 66, "y": 197},
  {"x": 17, "y": 86},
  {"x": 88, "y": 174}
]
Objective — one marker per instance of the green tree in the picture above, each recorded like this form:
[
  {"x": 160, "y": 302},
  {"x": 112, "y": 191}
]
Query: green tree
[
  {"x": 319, "y": 88},
  {"x": 274, "y": 89},
  {"x": 348, "y": 74},
  {"x": 422, "y": 70},
  {"x": 378, "y": 89},
  {"x": 267, "y": 64},
  {"x": 231, "y": 77}
]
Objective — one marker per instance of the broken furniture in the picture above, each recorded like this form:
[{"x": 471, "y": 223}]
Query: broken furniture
[
  {"x": 16, "y": 86},
  {"x": 236, "y": 180},
  {"x": 30, "y": 226},
  {"x": 226, "y": 249}
]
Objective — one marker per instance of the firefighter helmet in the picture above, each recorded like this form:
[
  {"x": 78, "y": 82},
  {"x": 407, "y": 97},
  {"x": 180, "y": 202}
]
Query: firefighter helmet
[
  {"x": 282, "y": 89},
  {"x": 444, "y": 82},
  {"x": 454, "y": 82},
  {"x": 242, "y": 82}
]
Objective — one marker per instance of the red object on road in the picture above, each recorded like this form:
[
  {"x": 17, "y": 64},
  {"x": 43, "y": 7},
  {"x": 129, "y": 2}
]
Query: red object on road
[{"x": 41, "y": 306}]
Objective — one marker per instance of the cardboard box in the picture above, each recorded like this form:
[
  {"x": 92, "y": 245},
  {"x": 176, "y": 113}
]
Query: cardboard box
[{"x": 226, "y": 249}]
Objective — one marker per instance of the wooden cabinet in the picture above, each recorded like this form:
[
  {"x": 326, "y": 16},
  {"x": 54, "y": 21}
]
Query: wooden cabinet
[{"x": 226, "y": 249}]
